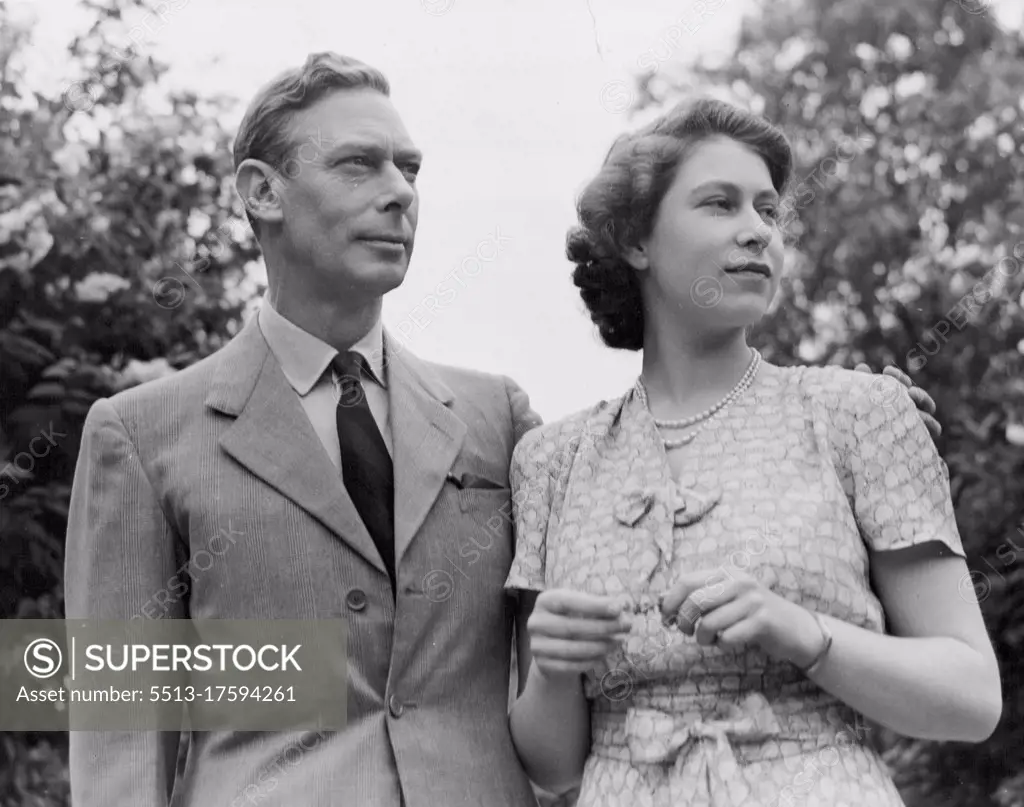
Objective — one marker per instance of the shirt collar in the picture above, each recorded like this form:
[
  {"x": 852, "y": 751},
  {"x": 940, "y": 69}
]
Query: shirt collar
[{"x": 304, "y": 358}]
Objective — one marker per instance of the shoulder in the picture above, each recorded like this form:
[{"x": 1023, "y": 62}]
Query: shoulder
[
  {"x": 464, "y": 384},
  {"x": 159, "y": 409},
  {"x": 174, "y": 383},
  {"x": 825, "y": 382},
  {"x": 459, "y": 378},
  {"x": 845, "y": 391},
  {"x": 553, "y": 443},
  {"x": 860, "y": 411}
]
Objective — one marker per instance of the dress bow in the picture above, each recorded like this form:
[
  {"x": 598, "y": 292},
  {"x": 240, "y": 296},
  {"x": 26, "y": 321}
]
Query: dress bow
[{"x": 704, "y": 769}]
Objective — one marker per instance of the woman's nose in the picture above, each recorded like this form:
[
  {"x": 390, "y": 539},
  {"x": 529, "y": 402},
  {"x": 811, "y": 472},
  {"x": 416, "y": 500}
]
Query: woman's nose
[{"x": 757, "y": 233}]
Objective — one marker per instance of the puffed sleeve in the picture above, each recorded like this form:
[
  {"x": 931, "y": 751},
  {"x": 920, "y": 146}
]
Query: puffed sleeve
[
  {"x": 901, "y": 492},
  {"x": 531, "y": 478}
]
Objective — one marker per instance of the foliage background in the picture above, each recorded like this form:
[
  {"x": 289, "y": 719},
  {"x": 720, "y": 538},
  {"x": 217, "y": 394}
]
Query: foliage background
[{"x": 123, "y": 256}]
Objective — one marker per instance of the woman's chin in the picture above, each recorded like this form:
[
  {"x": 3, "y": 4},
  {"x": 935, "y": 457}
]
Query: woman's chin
[{"x": 741, "y": 313}]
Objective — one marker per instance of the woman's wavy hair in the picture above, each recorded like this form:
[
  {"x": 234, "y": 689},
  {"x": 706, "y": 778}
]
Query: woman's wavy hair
[{"x": 618, "y": 207}]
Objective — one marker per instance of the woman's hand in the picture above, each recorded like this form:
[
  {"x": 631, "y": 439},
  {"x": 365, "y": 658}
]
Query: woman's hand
[
  {"x": 572, "y": 632},
  {"x": 735, "y": 610}
]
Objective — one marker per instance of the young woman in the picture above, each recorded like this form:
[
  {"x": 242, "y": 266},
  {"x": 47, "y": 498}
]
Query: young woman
[{"x": 721, "y": 570}]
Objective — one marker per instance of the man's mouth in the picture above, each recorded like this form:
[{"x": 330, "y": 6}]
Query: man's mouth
[{"x": 395, "y": 240}]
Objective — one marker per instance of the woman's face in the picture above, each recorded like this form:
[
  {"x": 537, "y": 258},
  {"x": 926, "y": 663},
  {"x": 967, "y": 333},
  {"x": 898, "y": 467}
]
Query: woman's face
[{"x": 715, "y": 254}]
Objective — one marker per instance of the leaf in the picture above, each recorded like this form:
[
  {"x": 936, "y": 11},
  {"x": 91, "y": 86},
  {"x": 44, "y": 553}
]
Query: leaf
[
  {"x": 46, "y": 390},
  {"x": 25, "y": 351},
  {"x": 53, "y": 330}
]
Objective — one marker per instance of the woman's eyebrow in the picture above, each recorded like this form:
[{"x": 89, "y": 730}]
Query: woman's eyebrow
[{"x": 733, "y": 189}]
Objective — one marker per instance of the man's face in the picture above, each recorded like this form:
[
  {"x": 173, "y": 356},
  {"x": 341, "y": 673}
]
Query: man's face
[{"x": 348, "y": 194}]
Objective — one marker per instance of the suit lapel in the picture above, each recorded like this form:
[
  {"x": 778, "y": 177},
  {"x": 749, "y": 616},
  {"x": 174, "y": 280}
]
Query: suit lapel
[
  {"x": 273, "y": 438},
  {"x": 427, "y": 437}
]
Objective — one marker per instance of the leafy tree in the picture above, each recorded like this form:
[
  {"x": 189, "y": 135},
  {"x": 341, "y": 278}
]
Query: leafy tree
[
  {"x": 122, "y": 258},
  {"x": 907, "y": 226}
]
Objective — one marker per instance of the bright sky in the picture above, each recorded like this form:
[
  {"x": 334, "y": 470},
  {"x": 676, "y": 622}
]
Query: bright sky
[{"x": 514, "y": 105}]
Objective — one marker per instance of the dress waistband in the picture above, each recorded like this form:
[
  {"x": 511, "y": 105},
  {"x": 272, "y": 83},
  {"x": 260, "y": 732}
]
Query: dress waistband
[{"x": 743, "y": 731}]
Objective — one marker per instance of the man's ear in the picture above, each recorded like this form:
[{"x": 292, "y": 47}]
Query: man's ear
[{"x": 257, "y": 186}]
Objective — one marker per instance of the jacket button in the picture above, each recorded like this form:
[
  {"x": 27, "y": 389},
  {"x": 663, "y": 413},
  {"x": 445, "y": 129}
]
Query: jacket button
[
  {"x": 356, "y": 599},
  {"x": 395, "y": 706}
]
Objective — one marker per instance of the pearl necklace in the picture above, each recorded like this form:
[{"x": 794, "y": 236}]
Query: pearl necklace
[{"x": 707, "y": 415}]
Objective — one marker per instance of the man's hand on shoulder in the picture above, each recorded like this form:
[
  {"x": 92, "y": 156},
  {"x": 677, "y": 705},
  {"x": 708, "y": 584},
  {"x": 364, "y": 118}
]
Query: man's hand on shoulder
[{"x": 923, "y": 401}]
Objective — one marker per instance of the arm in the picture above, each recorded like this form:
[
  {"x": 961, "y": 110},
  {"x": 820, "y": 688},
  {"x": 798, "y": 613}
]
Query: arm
[
  {"x": 935, "y": 676},
  {"x": 120, "y": 552},
  {"x": 560, "y": 633},
  {"x": 550, "y": 720}
]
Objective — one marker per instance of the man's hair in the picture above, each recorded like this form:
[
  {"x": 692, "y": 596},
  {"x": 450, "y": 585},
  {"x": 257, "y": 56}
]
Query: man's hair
[{"x": 263, "y": 132}]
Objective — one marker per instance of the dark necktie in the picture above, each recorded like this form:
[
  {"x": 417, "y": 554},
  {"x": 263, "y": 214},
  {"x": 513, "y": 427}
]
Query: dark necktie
[{"x": 366, "y": 466}]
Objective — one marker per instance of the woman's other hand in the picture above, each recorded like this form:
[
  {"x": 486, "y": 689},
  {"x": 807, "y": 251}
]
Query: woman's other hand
[
  {"x": 733, "y": 610},
  {"x": 572, "y": 632}
]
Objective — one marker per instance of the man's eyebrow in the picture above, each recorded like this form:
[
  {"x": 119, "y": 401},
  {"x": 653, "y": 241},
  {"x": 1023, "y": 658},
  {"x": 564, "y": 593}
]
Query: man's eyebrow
[{"x": 370, "y": 147}]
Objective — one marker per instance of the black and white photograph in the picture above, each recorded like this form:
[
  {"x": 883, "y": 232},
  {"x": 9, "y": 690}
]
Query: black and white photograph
[{"x": 478, "y": 403}]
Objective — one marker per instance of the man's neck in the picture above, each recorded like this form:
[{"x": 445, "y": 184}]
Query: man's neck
[{"x": 339, "y": 326}]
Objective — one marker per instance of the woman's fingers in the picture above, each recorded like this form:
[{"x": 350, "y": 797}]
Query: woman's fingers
[
  {"x": 738, "y": 635},
  {"x": 687, "y": 585},
  {"x": 561, "y": 627},
  {"x": 546, "y": 648},
  {"x": 565, "y": 615},
  {"x": 555, "y": 667},
  {"x": 716, "y": 622},
  {"x": 572, "y": 631},
  {"x": 567, "y": 602},
  {"x": 700, "y": 604}
]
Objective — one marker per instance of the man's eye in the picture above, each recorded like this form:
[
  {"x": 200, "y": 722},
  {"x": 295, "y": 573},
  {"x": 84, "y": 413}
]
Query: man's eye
[
  {"x": 361, "y": 162},
  {"x": 720, "y": 203},
  {"x": 411, "y": 170}
]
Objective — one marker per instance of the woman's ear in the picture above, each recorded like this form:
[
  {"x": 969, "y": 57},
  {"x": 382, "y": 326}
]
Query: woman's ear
[{"x": 636, "y": 256}]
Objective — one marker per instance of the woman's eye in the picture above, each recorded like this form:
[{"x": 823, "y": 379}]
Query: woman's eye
[{"x": 770, "y": 213}]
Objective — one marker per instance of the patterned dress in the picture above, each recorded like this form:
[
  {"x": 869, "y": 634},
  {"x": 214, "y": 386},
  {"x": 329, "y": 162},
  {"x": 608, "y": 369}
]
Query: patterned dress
[{"x": 808, "y": 470}]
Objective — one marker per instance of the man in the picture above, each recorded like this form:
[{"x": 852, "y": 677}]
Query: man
[
  {"x": 357, "y": 482},
  {"x": 298, "y": 456}
]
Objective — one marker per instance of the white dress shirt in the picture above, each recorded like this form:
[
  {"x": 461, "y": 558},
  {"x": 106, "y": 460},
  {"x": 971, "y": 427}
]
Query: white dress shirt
[{"x": 306, "y": 362}]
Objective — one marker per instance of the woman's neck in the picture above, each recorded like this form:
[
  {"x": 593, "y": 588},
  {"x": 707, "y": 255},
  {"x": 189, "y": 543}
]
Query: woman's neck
[{"x": 686, "y": 375}]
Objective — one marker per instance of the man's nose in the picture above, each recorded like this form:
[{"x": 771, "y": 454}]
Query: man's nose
[{"x": 398, "y": 192}]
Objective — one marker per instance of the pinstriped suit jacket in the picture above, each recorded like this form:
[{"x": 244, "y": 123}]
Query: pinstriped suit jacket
[{"x": 165, "y": 468}]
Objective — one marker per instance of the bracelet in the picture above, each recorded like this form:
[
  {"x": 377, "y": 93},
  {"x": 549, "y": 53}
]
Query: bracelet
[{"x": 811, "y": 668}]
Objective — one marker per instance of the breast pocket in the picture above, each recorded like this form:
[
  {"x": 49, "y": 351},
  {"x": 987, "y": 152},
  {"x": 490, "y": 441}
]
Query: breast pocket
[{"x": 486, "y": 530}]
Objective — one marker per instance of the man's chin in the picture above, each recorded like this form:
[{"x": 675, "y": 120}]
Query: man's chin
[{"x": 380, "y": 279}]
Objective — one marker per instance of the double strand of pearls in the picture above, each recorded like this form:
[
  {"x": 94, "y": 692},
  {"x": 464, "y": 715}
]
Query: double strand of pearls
[{"x": 707, "y": 415}]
